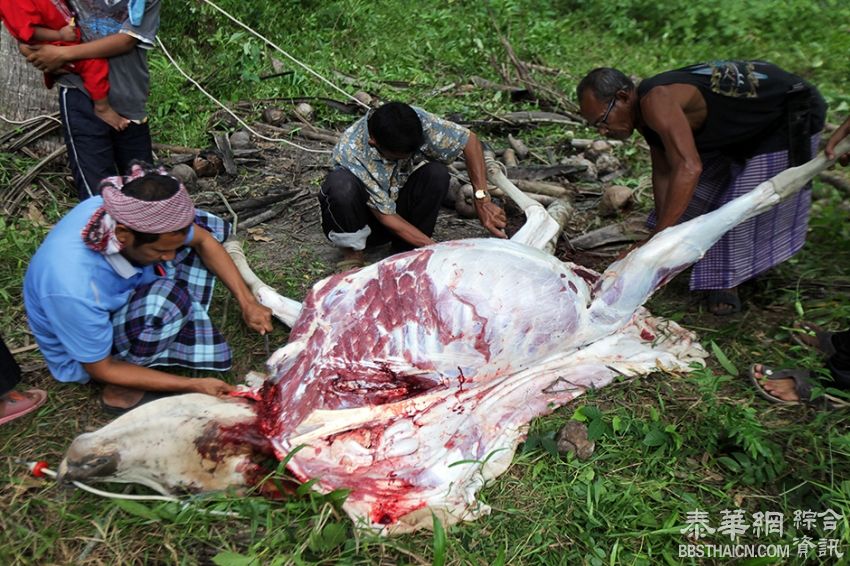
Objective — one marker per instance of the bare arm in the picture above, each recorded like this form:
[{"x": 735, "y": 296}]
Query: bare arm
[
  {"x": 41, "y": 34},
  {"x": 663, "y": 113},
  {"x": 51, "y": 58},
  {"x": 217, "y": 260},
  {"x": 403, "y": 229},
  {"x": 660, "y": 176},
  {"x": 118, "y": 372},
  {"x": 491, "y": 216},
  {"x": 842, "y": 132}
]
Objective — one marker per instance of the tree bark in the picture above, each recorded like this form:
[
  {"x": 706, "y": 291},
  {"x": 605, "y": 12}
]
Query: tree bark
[{"x": 23, "y": 94}]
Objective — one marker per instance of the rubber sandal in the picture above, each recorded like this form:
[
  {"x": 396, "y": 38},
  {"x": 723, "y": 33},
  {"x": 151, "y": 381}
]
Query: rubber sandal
[
  {"x": 16, "y": 404},
  {"x": 718, "y": 297},
  {"x": 810, "y": 335},
  {"x": 802, "y": 387},
  {"x": 147, "y": 397}
]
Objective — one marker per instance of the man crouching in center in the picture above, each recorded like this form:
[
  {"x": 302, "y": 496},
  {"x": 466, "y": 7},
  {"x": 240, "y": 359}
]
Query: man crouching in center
[{"x": 376, "y": 194}]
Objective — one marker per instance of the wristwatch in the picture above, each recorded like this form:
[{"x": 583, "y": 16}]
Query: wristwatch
[{"x": 480, "y": 194}]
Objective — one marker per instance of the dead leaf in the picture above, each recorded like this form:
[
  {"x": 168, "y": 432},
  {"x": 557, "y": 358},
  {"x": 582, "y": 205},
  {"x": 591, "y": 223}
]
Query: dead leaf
[
  {"x": 35, "y": 216},
  {"x": 25, "y": 484},
  {"x": 260, "y": 238}
]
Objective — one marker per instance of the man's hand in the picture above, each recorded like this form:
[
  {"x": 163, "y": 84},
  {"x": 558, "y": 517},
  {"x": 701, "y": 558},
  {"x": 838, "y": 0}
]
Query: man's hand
[
  {"x": 257, "y": 317},
  {"x": 47, "y": 58},
  {"x": 842, "y": 132},
  {"x": 212, "y": 386},
  {"x": 491, "y": 216}
]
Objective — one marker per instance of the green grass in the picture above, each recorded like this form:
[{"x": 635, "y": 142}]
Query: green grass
[
  {"x": 666, "y": 445},
  {"x": 438, "y": 43}
]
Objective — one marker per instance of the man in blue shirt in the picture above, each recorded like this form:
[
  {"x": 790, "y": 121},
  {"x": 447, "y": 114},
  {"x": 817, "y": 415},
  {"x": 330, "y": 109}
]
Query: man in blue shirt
[{"x": 122, "y": 283}]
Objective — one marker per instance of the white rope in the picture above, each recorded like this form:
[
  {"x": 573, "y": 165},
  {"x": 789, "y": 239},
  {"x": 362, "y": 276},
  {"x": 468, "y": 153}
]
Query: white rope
[
  {"x": 228, "y": 110},
  {"x": 130, "y": 497},
  {"x": 287, "y": 55}
]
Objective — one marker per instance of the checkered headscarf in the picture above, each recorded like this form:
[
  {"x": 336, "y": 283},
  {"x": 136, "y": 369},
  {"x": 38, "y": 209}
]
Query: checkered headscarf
[{"x": 149, "y": 217}]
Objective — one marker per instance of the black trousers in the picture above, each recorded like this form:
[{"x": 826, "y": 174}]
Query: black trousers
[
  {"x": 839, "y": 362},
  {"x": 10, "y": 372},
  {"x": 343, "y": 199},
  {"x": 95, "y": 149}
]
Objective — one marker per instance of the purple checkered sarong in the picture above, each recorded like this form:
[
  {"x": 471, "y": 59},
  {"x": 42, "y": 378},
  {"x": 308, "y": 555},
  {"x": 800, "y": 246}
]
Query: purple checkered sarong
[
  {"x": 759, "y": 243},
  {"x": 166, "y": 322}
]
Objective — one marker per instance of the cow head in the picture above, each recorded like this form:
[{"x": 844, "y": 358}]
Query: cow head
[{"x": 182, "y": 444}]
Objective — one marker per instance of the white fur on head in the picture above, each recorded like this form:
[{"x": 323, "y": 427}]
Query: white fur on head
[{"x": 172, "y": 445}]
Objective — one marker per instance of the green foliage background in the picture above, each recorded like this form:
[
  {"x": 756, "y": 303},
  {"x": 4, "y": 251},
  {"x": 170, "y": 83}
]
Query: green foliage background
[{"x": 433, "y": 42}]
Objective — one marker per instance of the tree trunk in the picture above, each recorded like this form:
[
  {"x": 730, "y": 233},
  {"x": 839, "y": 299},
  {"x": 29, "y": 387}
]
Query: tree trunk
[{"x": 23, "y": 94}]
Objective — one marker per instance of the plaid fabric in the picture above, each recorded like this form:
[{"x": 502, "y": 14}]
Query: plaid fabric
[
  {"x": 166, "y": 322},
  {"x": 758, "y": 244}
]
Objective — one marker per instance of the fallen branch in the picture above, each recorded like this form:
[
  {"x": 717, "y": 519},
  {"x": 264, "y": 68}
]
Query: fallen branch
[
  {"x": 17, "y": 186},
  {"x": 540, "y": 173},
  {"x": 535, "y": 88},
  {"x": 291, "y": 199},
  {"x": 222, "y": 142},
  {"x": 608, "y": 177},
  {"x": 581, "y": 144},
  {"x": 179, "y": 149},
  {"x": 252, "y": 221},
  {"x": 545, "y": 200},
  {"x": 518, "y": 146},
  {"x": 630, "y": 230},
  {"x": 533, "y": 117},
  {"x": 29, "y": 131},
  {"x": 488, "y": 84},
  {"x": 541, "y": 188},
  {"x": 23, "y": 349},
  {"x": 258, "y": 202},
  {"x": 298, "y": 129}
]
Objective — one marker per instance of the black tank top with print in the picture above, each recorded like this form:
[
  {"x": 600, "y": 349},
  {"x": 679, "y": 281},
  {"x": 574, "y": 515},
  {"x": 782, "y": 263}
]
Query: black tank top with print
[{"x": 752, "y": 107}]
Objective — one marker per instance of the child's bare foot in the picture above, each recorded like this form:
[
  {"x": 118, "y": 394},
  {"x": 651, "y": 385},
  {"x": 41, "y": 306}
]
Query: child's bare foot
[{"x": 105, "y": 112}]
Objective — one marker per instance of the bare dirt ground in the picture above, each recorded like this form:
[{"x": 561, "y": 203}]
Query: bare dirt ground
[{"x": 294, "y": 237}]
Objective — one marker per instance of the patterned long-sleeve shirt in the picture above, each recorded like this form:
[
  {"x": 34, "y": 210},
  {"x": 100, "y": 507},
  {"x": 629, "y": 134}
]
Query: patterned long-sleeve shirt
[{"x": 443, "y": 141}]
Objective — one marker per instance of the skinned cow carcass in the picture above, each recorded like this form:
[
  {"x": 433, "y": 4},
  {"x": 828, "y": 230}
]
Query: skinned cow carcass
[{"x": 411, "y": 382}]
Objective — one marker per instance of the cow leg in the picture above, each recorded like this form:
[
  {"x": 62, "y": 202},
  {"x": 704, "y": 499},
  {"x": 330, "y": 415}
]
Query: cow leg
[
  {"x": 628, "y": 283},
  {"x": 539, "y": 227},
  {"x": 285, "y": 310}
]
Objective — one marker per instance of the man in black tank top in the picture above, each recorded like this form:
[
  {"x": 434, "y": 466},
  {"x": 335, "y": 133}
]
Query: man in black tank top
[{"x": 715, "y": 131}]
